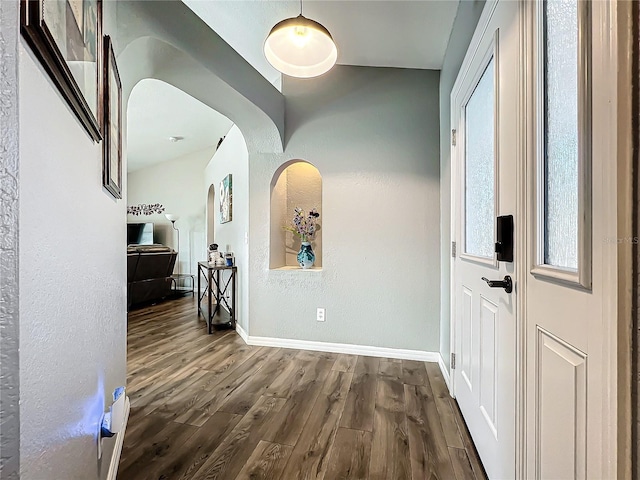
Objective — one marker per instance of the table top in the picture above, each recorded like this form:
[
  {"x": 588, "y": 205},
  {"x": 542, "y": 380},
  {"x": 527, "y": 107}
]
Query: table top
[{"x": 211, "y": 266}]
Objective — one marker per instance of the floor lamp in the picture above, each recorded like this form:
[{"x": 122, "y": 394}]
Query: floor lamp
[{"x": 173, "y": 219}]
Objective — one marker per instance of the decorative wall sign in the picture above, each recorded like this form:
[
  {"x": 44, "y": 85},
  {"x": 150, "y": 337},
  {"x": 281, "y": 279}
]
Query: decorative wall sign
[
  {"x": 144, "y": 209},
  {"x": 226, "y": 199},
  {"x": 66, "y": 36},
  {"x": 112, "y": 143}
]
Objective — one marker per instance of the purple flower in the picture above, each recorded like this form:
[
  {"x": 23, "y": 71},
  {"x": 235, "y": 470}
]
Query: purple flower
[{"x": 304, "y": 225}]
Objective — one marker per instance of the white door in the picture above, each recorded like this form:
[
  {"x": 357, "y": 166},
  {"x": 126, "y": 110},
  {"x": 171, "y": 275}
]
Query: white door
[
  {"x": 484, "y": 106},
  {"x": 571, "y": 280}
]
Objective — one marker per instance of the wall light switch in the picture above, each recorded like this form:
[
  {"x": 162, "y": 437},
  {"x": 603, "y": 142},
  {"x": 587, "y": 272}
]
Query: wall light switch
[{"x": 320, "y": 315}]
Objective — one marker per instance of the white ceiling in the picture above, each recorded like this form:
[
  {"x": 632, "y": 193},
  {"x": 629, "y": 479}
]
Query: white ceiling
[
  {"x": 158, "y": 111},
  {"x": 391, "y": 33},
  {"x": 382, "y": 33}
]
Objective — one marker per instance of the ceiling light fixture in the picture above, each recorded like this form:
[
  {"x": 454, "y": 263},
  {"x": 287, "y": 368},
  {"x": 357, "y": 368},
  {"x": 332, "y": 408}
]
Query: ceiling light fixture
[
  {"x": 175, "y": 139},
  {"x": 300, "y": 47}
]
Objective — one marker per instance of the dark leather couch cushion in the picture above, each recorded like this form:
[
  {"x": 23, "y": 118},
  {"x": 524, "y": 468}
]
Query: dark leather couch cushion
[
  {"x": 132, "y": 263},
  {"x": 154, "y": 265},
  {"x": 149, "y": 290}
]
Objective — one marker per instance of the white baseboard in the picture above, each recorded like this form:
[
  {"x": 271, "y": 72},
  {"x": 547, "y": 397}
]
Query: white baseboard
[
  {"x": 445, "y": 373},
  {"x": 242, "y": 333},
  {"x": 339, "y": 348},
  {"x": 117, "y": 449}
]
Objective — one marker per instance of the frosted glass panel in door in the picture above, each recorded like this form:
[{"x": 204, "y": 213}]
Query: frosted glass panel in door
[
  {"x": 561, "y": 133},
  {"x": 480, "y": 167}
]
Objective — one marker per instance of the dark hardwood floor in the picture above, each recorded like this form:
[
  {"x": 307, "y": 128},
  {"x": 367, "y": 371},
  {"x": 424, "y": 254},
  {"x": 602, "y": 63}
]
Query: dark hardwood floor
[{"x": 210, "y": 407}]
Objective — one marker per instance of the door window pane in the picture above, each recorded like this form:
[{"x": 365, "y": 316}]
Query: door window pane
[
  {"x": 561, "y": 133},
  {"x": 479, "y": 167}
]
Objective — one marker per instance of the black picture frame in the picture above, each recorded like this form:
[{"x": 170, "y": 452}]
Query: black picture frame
[
  {"x": 66, "y": 36},
  {"x": 112, "y": 131}
]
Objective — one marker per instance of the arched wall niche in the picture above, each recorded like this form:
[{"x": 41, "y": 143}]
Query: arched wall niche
[{"x": 296, "y": 183}]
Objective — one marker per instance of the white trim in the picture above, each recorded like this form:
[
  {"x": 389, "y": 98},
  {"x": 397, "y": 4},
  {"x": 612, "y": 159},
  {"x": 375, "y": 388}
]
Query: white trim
[
  {"x": 350, "y": 349},
  {"x": 243, "y": 335},
  {"x": 524, "y": 109},
  {"x": 117, "y": 449},
  {"x": 606, "y": 48},
  {"x": 445, "y": 373},
  {"x": 581, "y": 276}
]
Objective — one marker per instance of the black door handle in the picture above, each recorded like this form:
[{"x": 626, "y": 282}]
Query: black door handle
[{"x": 507, "y": 283}]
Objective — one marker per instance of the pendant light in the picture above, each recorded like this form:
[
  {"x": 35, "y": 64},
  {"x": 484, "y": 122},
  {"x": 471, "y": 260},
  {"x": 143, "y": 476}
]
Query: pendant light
[{"x": 300, "y": 47}]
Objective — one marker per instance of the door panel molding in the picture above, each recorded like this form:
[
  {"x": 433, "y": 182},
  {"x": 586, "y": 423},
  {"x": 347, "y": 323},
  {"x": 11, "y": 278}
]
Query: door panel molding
[
  {"x": 489, "y": 318},
  {"x": 561, "y": 408},
  {"x": 467, "y": 338}
]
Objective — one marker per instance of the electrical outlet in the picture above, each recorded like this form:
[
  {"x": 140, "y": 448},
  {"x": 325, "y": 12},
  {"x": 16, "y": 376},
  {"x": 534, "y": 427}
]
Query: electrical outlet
[{"x": 320, "y": 315}]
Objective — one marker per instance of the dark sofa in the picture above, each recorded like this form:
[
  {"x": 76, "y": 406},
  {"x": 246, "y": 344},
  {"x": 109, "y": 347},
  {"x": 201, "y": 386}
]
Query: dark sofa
[{"x": 149, "y": 269}]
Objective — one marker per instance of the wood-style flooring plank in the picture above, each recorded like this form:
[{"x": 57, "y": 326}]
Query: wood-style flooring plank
[
  {"x": 243, "y": 398},
  {"x": 192, "y": 454},
  {"x": 164, "y": 445},
  {"x": 361, "y": 400},
  {"x": 350, "y": 455},
  {"x": 390, "y": 369},
  {"x": 228, "y": 355},
  {"x": 158, "y": 394},
  {"x": 414, "y": 372},
  {"x": 210, "y": 401},
  {"x": 474, "y": 458},
  {"x": 140, "y": 428},
  {"x": 309, "y": 458},
  {"x": 266, "y": 462},
  {"x": 390, "y": 443},
  {"x": 290, "y": 421},
  {"x": 229, "y": 458},
  {"x": 429, "y": 453},
  {"x": 461, "y": 464},
  {"x": 345, "y": 363},
  {"x": 443, "y": 404}
]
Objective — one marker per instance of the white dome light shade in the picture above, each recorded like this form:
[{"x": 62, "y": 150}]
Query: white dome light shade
[{"x": 300, "y": 47}]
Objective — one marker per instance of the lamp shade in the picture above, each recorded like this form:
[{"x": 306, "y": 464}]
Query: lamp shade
[
  {"x": 172, "y": 218},
  {"x": 300, "y": 47}
]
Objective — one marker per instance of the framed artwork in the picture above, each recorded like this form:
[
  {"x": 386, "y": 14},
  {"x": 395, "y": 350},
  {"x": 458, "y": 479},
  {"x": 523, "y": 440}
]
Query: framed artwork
[
  {"x": 112, "y": 143},
  {"x": 226, "y": 199},
  {"x": 66, "y": 36}
]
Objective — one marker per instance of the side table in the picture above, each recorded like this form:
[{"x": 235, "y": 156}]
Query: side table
[{"x": 215, "y": 289}]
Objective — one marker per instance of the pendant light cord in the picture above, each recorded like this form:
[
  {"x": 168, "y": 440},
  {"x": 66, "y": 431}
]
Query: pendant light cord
[{"x": 300, "y": 7}]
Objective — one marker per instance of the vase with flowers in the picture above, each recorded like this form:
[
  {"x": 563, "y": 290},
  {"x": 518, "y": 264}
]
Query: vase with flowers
[{"x": 305, "y": 226}]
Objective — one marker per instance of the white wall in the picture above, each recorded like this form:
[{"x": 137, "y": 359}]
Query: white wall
[
  {"x": 373, "y": 135},
  {"x": 232, "y": 158},
  {"x": 176, "y": 184},
  {"x": 72, "y": 287},
  {"x": 463, "y": 27}
]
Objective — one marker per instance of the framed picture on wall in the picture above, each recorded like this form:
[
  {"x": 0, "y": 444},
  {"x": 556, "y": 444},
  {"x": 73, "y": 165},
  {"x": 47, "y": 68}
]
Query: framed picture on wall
[
  {"x": 112, "y": 143},
  {"x": 66, "y": 36},
  {"x": 226, "y": 199}
]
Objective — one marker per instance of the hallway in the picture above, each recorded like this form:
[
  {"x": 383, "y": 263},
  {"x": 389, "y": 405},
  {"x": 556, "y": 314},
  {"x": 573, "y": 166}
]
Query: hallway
[{"x": 212, "y": 407}]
